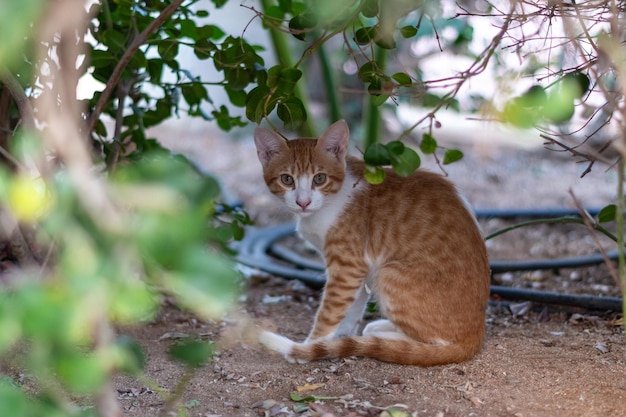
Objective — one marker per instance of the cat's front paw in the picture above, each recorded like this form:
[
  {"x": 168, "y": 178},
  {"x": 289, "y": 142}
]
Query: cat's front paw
[{"x": 279, "y": 344}]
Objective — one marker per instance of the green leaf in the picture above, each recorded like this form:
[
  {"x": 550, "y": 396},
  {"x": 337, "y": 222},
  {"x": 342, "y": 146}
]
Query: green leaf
[
  {"x": 13, "y": 401},
  {"x": 395, "y": 147},
  {"x": 100, "y": 129},
  {"x": 114, "y": 40},
  {"x": 428, "y": 144},
  {"x": 559, "y": 107},
  {"x": 297, "y": 28},
  {"x": 10, "y": 325},
  {"x": 402, "y": 78},
  {"x": 192, "y": 352},
  {"x": 81, "y": 373},
  {"x": 200, "y": 90},
  {"x": 377, "y": 154},
  {"x": 292, "y": 113},
  {"x": 375, "y": 88},
  {"x": 283, "y": 80},
  {"x": 309, "y": 398},
  {"x": 202, "y": 13},
  {"x": 134, "y": 359},
  {"x": 517, "y": 113},
  {"x": 607, "y": 214},
  {"x": 392, "y": 412},
  {"x": 236, "y": 97},
  {"x": 368, "y": 72},
  {"x": 534, "y": 97},
  {"x": 303, "y": 23},
  {"x": 378, "y": 99},
  {"x": 271, "y": 15},
  {"x": 578, "y": 81},
  {"x": 364, "y": 36},
  {"x": 285, "y": 5},
  {"x": 374, "y": 174},
  {"x": 203, "y": 48},
  {"x": 189, "y": 94},
  {"x": 408, "y": 31},
  {"x": 16, "y": 27},
  {"x": 101, "y": 59},
  {"x": 188, "y": 29},
  {"x": 452, "y": 155},
  {"x": 155, "y": 70},
  {"x": 406, "y": 162},
  {"x": 134, "y": 301},
  {"x": 206, "y": 32},
  {"x": 168, "y": 49},
  {"x": 256, "y": 104},
  {"x": 204, "y": 282},
  {"x": 238, "y": 78}
]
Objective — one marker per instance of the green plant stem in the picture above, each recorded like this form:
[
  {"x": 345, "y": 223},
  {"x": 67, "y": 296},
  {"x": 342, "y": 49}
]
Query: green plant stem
[
  {"x": 372, "y": 116},
  {"x": 334, "y": 112},
  {"x": 575, "y": 220},
  {"x": 284, "y": 54},
  {"x": 171, "y": 402},
  {"x": 619, "y": 221},
  {"x": 107, "y": 14}
]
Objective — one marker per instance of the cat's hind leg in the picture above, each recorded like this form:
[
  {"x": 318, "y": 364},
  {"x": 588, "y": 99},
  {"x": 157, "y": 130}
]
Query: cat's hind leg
[
  {"x": 382, "y": 325},
  {"x": 384, "y": 329}
]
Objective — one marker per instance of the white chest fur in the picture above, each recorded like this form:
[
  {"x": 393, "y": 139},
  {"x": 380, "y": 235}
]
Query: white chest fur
[{"x": 314, "y": 227}]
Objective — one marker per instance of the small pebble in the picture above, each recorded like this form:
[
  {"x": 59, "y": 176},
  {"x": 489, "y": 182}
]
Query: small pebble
[
  {"x": 602, "y": 347},
  {"x": 575, "y": 276}
]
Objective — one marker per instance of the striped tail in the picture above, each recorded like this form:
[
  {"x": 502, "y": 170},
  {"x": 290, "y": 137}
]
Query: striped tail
[{"x": 404, "y": 351}]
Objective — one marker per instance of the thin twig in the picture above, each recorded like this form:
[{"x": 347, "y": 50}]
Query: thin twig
[
  {"x": 592, "y": 227},
  {"x": 170, "y": 404},
  {"x": 23, "y": 103}
]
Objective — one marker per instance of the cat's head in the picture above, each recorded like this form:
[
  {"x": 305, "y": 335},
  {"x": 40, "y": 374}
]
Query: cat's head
[{"x": 304, "y": 172}]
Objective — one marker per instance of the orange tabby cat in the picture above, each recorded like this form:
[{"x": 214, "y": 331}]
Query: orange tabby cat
[{"x": 411, "y": 242}]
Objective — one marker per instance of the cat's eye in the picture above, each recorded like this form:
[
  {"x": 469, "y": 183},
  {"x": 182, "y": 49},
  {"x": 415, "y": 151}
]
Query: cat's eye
[
  {"x": 286, "y": 179},
  {"x": 319, "y": 179}
]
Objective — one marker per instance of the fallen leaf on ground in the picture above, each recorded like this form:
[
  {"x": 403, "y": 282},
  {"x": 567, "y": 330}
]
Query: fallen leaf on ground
[
  {"x": 309, "y": 398},
  {"x": 392, "y": 412},
  {"x": 309, "y": 387},
  {"x": 476, "y": 401}
]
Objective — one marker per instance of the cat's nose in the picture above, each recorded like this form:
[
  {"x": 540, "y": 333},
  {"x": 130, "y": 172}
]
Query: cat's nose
[{"x": 303, "y": 203}]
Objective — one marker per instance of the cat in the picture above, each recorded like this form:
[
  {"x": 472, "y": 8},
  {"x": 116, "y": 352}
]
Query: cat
[{"x": 411, "y": 242}]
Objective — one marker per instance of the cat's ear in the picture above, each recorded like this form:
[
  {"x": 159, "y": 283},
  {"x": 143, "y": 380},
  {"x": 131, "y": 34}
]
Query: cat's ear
[
  {"x": 268, "y": 144},
  {"x": 335, "y": 139}
]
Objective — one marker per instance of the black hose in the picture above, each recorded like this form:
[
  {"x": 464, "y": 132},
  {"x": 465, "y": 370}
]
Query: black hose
[
  {"x": 261, "y": 249},
  {"x": 543, "y": 213},
  {"x": 589, "y": 302}
]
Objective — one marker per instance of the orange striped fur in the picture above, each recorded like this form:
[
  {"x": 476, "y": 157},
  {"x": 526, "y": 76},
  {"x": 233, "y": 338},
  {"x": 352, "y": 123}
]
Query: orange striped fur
[{"x": 411, "y": 243}]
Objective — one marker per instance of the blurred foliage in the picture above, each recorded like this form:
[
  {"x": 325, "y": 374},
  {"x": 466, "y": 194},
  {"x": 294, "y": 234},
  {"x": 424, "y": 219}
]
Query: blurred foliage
[
  {"x": 160, "y": 230},
  {"x": 164, "y": 232},
  {"x": 119, "y": 272}
]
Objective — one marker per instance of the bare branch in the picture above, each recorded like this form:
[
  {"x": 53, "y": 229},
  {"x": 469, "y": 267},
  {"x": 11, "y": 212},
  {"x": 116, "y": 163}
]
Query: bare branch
[{"x": 125, "y": 59}]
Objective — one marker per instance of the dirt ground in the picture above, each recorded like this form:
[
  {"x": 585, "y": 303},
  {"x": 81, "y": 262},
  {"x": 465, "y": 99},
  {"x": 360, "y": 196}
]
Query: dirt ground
[{"x": 537, "y": 360}]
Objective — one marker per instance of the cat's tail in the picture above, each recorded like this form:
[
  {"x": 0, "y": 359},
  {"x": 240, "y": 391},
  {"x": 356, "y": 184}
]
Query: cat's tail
[{"x": 404, "y": 351}]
